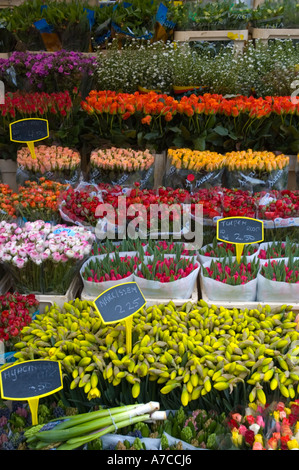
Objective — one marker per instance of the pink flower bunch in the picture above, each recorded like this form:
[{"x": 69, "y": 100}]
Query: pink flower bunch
[
  {"x": 48, "y": 158},
  {"x": 121, "y": 159},
  {"x": 167, "y": 247},
  {"x": 231, "y": 272},
  {"x": 281, "y": 271},
  {"x": 110, "y": 268},
  {"x": 166, "y": 269}
]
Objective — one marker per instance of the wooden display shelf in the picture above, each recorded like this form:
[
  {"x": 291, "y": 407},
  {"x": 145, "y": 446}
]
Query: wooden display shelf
[
  {"x": 264, "y": 34},
  {"x": 240, "y": 36}
]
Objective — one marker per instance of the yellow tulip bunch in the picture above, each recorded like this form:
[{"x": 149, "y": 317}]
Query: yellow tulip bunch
[
  {"x": 256, "y": 161},
  {"x": 196, "y": 160}
]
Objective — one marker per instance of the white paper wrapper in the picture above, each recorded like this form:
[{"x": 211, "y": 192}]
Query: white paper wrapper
[
  {"x": 216, "y": 290},
  {"x": 275, "y": 291},
  {"x": 96, "y": 288},
  {"x": 180, "y": 289}
]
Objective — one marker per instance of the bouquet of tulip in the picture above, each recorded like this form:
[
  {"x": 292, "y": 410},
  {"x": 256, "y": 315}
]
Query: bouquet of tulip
[
  {"x": 167, "y": 276},
  {"x": 232, "y": 272},
  {"x": 228, "y": 280},
  {"x": 156, "y": 247},
  {"x": 101, "y": 272},
  {"x": 110, "y": 268},
  {"x": 43, "y": 258},
  {"x": 278, "y": 280},
  {"x": 223, "y": 250},
  {"x": 194, "y": 169},
  {"x": 255, "y": 170},
  {"x": 166, "y": 269},
  {"x": 280, "y": 271},
  {"x": 54, "y": 162},
  {"x": 39, "y": 200},
  {"x": 16, "y": 311},
  {"x": 122, "y": 245},
  {"x": 7, "y": 208},
  {"x": 278, "y": 249},
  {"x": 122, "y": 166}
]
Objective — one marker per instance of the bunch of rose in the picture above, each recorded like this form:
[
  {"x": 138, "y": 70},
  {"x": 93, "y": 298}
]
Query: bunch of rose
[
  {"x": 260, "y": 161},
  {"x": 39, "y": 200},
  {"x": 166, "y": 269},
  {"x": 7, "y": 208},
  {"x": 266, "y": 427},
  {"x": 110, "y": 268},
  {"x": 278, "y": 249},
  {"x": 121, "y": 159},
  {"x": 49, "y": 159},
  {"x": 231, "y": 272},
  {"x": 41, "y": 257},
  {"x": 238, "y": 203},
  {"x": 16, "y": 311},
  {"x": 185, "y": 158},
  {"x": 277, "y": 204},
  {"x": 280, "y": 271},
  {"x": 223, "y": 250}
]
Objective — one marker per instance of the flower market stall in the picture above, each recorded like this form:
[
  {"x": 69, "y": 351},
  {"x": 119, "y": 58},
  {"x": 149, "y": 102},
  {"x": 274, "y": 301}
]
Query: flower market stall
[{"x": 149, "y": 240}]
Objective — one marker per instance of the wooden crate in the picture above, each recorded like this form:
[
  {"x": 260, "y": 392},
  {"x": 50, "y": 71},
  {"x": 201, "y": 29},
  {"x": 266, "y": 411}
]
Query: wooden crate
[{"x": 240, "y": 36}]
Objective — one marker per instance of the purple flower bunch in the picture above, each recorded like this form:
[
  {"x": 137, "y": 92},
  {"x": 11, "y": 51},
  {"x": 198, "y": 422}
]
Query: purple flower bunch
[{"x": 51, "y": 72}]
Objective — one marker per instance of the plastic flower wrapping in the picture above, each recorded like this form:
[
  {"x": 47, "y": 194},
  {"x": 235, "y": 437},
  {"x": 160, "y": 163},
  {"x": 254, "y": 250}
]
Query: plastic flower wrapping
[{"x": 43, "y": 258}]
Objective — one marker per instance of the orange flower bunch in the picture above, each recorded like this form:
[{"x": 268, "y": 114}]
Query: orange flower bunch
[
  {"x": 256, "y": 160},
  {"x": 39, "y": 200},
  {"x": 196, "y": 160},
  {"x": 153, "y": 104},
  {"x": 7, "y": 208},
  {"x": 121, "y": 159}
]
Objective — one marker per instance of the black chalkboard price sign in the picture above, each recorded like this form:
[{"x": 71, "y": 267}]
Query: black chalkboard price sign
[
  {"x": 240, "y": 231},
  {"x": 30, "y": 380},
  {"x": 29, "y": 130},
  {"x": 120, "y": 303}
]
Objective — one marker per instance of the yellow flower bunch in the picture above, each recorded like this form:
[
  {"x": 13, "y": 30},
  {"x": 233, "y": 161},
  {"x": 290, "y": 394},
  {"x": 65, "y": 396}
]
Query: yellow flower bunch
[
  {"x": 196, "y": 160},
  {"x": 255, "y": 160}
]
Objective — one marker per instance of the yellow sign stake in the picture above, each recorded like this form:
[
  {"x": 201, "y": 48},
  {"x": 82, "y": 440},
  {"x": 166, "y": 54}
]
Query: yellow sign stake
[
  {"x": 239, "y": 251},
  {"x": 33, "y": 404}
]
